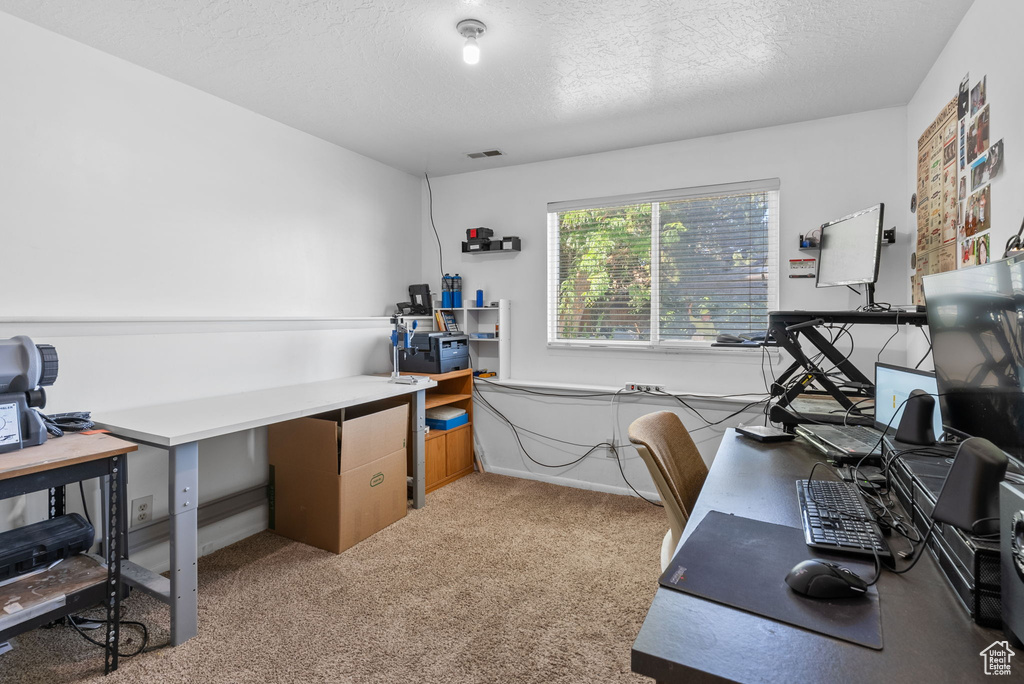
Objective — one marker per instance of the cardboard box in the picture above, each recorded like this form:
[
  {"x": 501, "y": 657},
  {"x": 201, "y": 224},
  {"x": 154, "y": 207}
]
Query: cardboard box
[{"x": 338, "y": 478}]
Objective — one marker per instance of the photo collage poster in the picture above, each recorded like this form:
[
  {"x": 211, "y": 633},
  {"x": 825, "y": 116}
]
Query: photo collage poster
[
  {"x": 956, "y": 162},
  {"x": 937, "y": 196}
]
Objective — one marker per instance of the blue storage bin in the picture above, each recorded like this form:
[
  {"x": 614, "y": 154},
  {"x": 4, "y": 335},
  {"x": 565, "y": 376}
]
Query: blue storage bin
[{"x": 435, "y": 424}]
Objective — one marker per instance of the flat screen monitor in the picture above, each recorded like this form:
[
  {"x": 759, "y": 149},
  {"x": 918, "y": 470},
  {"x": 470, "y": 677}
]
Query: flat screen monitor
[
  {"x": 976, "y": 319},
  {"x": 893, "y": 385},
  {"x": 850, "y": 248}
]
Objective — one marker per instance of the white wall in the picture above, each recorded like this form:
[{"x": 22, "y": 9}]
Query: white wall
[
  {"x": 828, "y": 168},
  {"x": 987, "y": 43},
  {"x": 125, "y": 195}
]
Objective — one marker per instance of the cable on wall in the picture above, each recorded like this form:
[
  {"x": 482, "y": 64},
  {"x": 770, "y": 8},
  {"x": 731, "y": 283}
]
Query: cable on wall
[
  {"x": 613, "y": 446},
  {"x": 430, "y": 212}
]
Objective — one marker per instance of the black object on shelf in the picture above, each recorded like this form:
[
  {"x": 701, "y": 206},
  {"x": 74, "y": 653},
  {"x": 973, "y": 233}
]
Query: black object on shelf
[
  {"x": 505, "y": 244},
  {"x": 480, "y": 234},
  {"x": 30, "y": 547},
  {"x": 420, "y": 304}
]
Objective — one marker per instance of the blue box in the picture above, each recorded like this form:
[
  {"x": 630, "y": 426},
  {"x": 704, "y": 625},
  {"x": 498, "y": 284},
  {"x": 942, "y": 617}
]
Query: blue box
[{"x": 435, "y": 424}]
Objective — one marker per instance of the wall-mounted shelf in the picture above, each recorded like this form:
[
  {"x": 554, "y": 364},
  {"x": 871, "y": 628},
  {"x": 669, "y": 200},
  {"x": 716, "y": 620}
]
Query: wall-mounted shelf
[
  {"x": 818, "y": 249},
  {"x": 504, "y": 245}
]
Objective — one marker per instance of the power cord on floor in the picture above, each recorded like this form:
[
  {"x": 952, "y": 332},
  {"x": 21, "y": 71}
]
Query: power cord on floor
[{"x": 73, "y": 620}]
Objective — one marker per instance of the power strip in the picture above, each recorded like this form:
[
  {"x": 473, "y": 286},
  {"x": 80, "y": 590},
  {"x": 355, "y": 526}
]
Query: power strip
[{"x": 635, "y": 387}]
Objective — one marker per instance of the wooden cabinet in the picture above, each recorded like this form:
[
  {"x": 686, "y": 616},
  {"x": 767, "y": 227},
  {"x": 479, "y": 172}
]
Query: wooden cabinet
[{"x": 449, "y": 453}]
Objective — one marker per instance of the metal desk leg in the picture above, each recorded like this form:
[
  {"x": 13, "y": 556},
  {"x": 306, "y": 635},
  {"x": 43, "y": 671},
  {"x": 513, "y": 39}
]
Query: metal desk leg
[
  {"x": 419, "y": 459},
  {"x": 183, "y": 491}
]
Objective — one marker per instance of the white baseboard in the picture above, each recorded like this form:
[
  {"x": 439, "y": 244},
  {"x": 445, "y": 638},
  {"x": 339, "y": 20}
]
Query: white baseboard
[{"x": 569, "y": 482}]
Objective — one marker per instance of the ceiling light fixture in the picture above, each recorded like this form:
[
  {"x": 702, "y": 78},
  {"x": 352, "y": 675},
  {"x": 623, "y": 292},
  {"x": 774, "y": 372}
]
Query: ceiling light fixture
[{"x": 471, "y": 29}]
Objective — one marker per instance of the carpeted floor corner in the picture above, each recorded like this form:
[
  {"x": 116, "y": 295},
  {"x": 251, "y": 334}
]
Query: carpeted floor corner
[{"x": 498, "y": 579}]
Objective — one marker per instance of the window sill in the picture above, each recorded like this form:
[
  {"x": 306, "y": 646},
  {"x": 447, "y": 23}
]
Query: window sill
[{"x": 735, "y": 353}]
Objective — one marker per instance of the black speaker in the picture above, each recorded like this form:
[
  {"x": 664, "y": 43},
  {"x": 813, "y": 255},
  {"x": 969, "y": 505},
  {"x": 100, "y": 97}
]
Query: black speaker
[
  {"x": 970, "y": 495},
  {"x": 1011, "y": 546},
  {"x": 916, "y": 423}
]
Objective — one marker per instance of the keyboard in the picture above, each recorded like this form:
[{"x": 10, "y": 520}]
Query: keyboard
[
  {"x": 835, "y": 518},
  {"x": 850, "y": 440}
]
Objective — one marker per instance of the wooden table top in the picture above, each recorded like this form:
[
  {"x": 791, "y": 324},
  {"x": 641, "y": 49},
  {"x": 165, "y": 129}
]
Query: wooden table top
[{"x": 58, "y": 452}]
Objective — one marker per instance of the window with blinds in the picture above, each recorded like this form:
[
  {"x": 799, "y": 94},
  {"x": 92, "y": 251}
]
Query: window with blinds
[{"x": 664, "y": 269}]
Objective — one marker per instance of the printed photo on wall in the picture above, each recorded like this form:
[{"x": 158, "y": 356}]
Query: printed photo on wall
[
  {"x": 995, "y": 159},
  {"x": 978, "y": 216},
  {"x": 967, "y": 253},
  {"x": 964, "y": 98},
  {"x": 982, "y": 249},
  {"x": 963, "y": 188},
  {"x": 977, "y": 136},
  {"x": 978, "y": 96},
  {"x": 979, "y": 172}
]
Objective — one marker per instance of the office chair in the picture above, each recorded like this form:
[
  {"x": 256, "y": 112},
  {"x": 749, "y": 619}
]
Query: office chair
[{"x": 676, "y": 467}]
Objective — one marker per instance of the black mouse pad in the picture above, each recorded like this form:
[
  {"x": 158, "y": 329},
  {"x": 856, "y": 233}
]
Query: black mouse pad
[{"x": 743, "y": 563}]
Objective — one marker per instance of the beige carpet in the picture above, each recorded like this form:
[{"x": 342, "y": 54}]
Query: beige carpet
[{"x": 497, "y": 580}]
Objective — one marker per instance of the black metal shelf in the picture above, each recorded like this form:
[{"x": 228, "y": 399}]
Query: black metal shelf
[{"x": 493, "y": 247}]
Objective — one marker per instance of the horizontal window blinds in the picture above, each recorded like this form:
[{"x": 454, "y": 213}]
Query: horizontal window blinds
[{"x": 673, "y": 271}]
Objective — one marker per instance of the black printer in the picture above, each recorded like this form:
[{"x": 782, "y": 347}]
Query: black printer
[{"x": 435, "y": 352}]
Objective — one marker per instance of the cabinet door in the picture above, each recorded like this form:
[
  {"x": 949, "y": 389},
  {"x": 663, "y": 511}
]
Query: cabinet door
[
  {"x": 435, "y": 456},
  {"x": 460, "y": 450}
]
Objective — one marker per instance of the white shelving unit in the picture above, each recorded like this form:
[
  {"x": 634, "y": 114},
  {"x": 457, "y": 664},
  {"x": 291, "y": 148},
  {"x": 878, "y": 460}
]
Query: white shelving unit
[{"x": 494, "y": 354}]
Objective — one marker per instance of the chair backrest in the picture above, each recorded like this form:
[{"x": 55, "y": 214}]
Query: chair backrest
[{"x": 675, "y": 464}]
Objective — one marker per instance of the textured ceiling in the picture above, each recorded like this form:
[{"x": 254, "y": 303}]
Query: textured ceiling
[{"x": 557, "y": 78}]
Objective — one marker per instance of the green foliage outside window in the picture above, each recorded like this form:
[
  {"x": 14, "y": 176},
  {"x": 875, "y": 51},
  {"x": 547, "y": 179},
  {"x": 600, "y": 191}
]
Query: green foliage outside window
[{"x": 713, "y": 269}]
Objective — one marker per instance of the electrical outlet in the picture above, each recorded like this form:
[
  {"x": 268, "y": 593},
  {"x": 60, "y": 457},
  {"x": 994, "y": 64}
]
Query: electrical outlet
[
  {"x": 609, "y": 450},
  {"x": 142, "y": 510},
  {"x": 637, "y": 387}
]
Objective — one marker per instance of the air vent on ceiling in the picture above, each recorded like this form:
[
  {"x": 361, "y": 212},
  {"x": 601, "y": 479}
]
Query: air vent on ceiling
[{"x": 485, "y": 153}]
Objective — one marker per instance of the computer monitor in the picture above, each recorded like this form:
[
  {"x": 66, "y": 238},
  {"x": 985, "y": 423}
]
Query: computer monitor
[
  {"x": 849, "y": 250},
  {"x": 893, "y": 385},
  {"x": 976, "y": 319}
]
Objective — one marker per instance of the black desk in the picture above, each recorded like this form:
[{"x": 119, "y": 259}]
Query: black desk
[{"x": 927, "y": 635}]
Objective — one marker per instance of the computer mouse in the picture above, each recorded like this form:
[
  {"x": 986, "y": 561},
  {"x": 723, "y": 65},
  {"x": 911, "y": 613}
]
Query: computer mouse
[{"x": 820, "y": 579}]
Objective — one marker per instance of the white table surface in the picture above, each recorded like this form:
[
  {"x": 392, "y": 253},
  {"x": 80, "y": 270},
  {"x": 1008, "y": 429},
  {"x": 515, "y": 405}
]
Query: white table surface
[{"x": 182, "y": 422}]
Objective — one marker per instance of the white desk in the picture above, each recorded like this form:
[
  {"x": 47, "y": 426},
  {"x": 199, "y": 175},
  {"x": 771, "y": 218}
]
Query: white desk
[{"x": 178, "y": 427}]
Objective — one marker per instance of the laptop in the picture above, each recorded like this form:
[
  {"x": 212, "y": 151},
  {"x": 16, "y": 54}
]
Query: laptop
[{"x": 893, "y": 384}]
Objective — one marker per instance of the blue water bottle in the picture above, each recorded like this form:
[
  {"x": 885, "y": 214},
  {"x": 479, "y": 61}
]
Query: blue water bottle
[
  {"x": 457, "y": 291},
  {"x": 446, "y": 292},
  {"x": 479, "y": 298}
]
